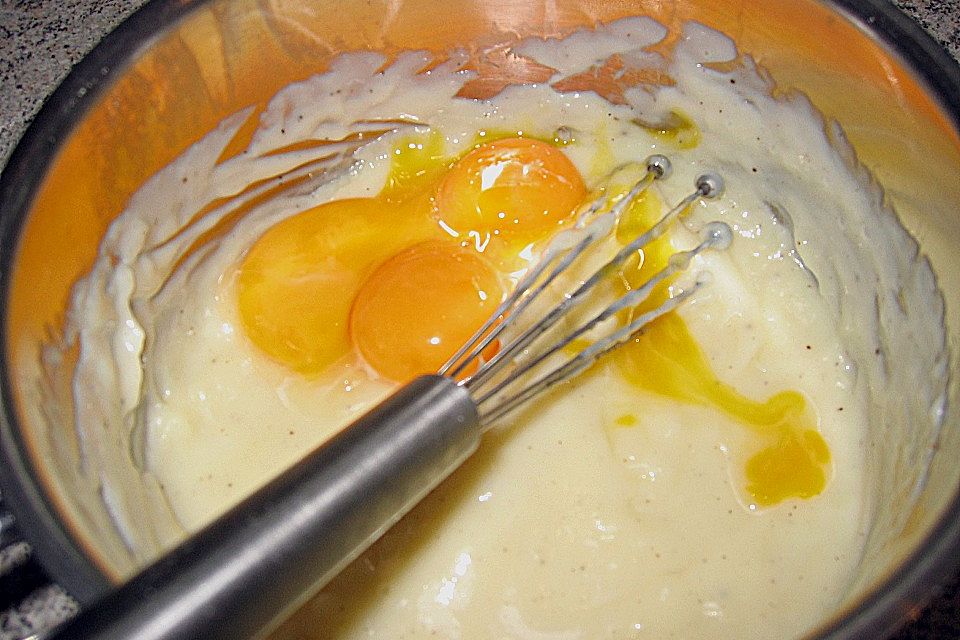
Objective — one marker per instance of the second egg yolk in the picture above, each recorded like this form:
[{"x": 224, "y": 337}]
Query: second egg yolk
[
  {"x": 420, "y": 306},
  {"x": 297, "y": 282},
  {"x": 513, "y": 191}
]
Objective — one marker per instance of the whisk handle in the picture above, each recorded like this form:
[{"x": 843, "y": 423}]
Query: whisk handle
[{"x": 263, "y": 558}]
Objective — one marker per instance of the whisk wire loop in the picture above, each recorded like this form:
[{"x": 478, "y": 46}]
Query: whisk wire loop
[
  {"x": 716, "y": 236},
  {"x": 574, "y": 299},
  {"x": 493, "y": 385},
  {"x": 525, "y": 293}
]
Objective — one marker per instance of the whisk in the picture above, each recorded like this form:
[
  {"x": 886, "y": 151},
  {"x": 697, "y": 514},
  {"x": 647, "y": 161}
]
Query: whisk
[{"x": 266, "y": 556}]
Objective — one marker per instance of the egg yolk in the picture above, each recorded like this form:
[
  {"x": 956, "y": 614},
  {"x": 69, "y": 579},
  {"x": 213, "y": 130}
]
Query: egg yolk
[
  {"x": 420, "y": 306},
  {"x": 666, "y": 360},
  {"x": 513, "y": 191}
]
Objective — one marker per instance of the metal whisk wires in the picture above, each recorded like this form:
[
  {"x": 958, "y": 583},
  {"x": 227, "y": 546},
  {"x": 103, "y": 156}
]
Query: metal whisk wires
[{"x": 521, "y": 368}]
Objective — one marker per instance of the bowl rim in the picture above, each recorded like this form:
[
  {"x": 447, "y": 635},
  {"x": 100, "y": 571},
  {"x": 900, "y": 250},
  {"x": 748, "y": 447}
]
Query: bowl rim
[
  {"x": 896, "y": 600},
  {"x": 36, "y": 517},
  {"x": 883, "y": 610}
]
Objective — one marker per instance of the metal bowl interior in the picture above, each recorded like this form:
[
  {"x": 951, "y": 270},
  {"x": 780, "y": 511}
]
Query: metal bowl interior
[{"x": 146, "y": 93}]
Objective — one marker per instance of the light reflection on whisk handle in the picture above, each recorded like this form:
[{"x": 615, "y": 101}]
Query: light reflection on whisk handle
[{"x": 266, "y": 556}]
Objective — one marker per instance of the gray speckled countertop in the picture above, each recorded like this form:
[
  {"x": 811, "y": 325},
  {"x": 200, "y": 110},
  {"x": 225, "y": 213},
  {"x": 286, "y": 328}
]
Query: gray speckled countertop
[{"x": 40, "y": 40}]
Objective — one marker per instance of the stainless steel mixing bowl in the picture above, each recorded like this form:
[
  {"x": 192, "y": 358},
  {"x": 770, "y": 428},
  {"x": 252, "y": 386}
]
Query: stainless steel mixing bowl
[{"x": 177, "y": 67}]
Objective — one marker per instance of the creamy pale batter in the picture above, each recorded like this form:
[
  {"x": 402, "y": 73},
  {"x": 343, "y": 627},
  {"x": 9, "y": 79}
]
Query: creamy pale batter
[{"x": 611, "y": 507}]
